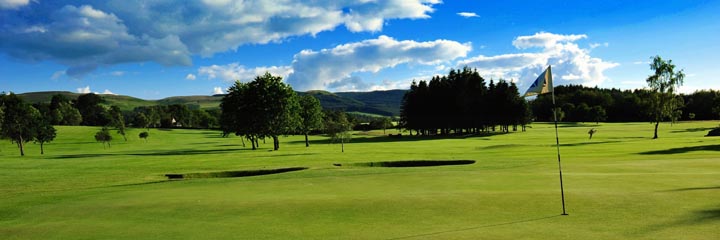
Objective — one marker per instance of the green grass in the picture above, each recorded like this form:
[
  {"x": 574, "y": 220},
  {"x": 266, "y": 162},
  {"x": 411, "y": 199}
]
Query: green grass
[{"x": 619, "y": 185}]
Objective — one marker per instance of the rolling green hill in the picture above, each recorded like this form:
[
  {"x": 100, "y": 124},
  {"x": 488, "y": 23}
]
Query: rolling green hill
[{"x": 385, "y": 103}]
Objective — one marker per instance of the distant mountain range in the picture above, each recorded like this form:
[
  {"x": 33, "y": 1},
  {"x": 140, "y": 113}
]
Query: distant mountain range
[{"x": 385, "y": 103}]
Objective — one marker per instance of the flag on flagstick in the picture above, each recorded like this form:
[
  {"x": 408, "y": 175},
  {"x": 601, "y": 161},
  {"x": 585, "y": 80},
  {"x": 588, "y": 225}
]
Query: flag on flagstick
[{"x": 543, "y": 84}]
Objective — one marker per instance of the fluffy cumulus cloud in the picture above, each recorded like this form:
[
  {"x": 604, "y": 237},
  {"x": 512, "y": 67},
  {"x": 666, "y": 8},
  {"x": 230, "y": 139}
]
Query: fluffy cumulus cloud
[
  {"x": 218, "y": 90},
  {"x": 190, "y": 77},
  {"x": 85, "y": 38},
  {"x": 570, "y": 63},
  {"x": 236, "y": 72},
  {"x": 332, "y": 69},
  {"x": 86, "y": 34},
  {"x": 84, "y": 90},
  {"x": 13, "y": 4}
]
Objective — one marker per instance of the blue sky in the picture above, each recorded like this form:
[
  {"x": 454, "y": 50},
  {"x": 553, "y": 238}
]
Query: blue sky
[{"x": 159, "y": 48}]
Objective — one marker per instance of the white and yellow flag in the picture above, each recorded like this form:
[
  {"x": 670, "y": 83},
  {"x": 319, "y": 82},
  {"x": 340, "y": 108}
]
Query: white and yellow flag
[{"x": 543, "y": 84}]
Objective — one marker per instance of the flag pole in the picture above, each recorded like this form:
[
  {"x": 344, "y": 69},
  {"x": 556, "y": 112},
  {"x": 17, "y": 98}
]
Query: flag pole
[{"x": 557, "y": 145}]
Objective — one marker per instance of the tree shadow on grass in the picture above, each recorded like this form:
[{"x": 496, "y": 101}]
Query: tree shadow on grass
[
  {"x": 585, "y": 143},
  {"x": 475, "y": 228},
  {"x": 154, "y": 153},
  {"x": 707, "y": 215},
  {"x": 576, "y": 124},
  {"x": 693, "y": 189},
  {"x": 403, "y": 138},
  {"x": 175, "y": 153},
  {"x": 695, "y": 217},
  {"x": 683, "y": 150},
  {"x": 693, "y": 130},
  {"x": 136, "y": 184}
]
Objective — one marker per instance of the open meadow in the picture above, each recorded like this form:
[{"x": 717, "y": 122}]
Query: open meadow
[{"x": 621, "y": 184}]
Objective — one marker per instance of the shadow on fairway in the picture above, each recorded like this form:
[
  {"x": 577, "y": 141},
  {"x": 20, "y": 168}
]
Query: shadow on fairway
[
  {"x": 683, "y": 150},
  {"x": 693, "y": 130},
  {"x": 232, "y": 174},
  {"x": 693, "y": 189},
  {"x": 585, "y": 143},
  {"x": 707, "y": 215},
  {"x": 694, "y": 217},
  {"x": 412, "y": 163},
  {"x": 576, "y": 124},
  {"x": 137, "y": 184},
  {"x": 403, "y": 138},
  {"x": 154, "y": 153},
  {"x": 501, "y": 146},
  {"x": 475, "y": 228}
]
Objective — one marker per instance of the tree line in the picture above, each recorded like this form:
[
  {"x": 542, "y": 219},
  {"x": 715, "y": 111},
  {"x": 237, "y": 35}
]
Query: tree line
[
  {"x": 92, "y": 110},
  {"x": 463, "y": 102},
  {"x": 591, "y": 104}
]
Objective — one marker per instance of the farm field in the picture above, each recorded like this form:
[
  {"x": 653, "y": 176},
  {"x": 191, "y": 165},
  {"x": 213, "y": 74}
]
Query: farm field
[{"x": 621, "y": 184}]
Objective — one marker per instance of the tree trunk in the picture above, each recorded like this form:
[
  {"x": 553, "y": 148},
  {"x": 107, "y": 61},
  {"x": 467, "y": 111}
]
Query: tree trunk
[
  {"x": 252, "y": 142},
  {"x": 307, "y": 143},
  {"x": 656, "y": 128},
  {"x": 276, "y": 143},
  {"x": 42, "y": 151},
  {"x": 243, "y": 141},
  {"x": 22, "y": 149},
  {"x": 342, "y": 144}
]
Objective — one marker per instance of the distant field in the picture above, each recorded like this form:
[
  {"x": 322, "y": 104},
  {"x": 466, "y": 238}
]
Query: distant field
[{"x": 619, "y": 185}]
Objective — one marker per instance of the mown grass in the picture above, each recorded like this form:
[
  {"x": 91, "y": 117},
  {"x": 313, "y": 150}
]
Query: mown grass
[{"x": 619, "y": 185}]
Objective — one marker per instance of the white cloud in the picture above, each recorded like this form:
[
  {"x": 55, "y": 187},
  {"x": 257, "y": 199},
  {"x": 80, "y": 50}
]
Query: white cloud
[
  {"x": 218, "y": 90},
  {"x": 468, "y": 14},
  {"x": 89, "y": 34},
  {"x": 57, "y": 75},
  {"x": 117, "y": 73},
  {"x": 84, "y": 90},
  {"x": 640, "y": 62},
  {"x": 235, "y": 71},
  {"x": 596, "y": 45},
  {"x": 108, "y": 92},
  {"x": 570, "y": 63},
  {"x": 333, "y": 68},
  {"x": 13, "y": 4},
  {"x": 544, "y": 39},
  {"x": 190, "y": 77},
  {"x": 85, "y": 38}
]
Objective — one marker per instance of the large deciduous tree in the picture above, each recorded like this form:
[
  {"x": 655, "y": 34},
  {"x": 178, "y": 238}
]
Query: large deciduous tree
[
  {"x": 311, "y": 115},
  {"x": 265, "y": 107},
  {"x": 19, "y": 121},
  {"x": 663, "y": 103}
]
